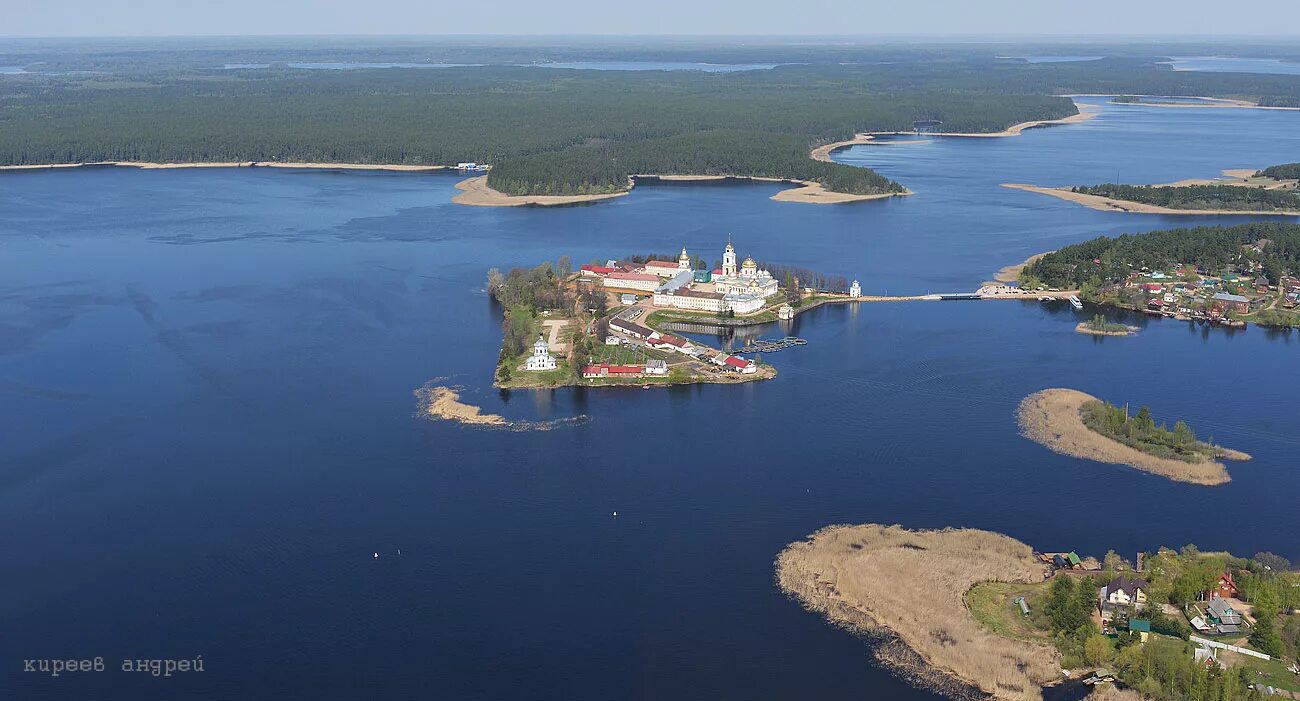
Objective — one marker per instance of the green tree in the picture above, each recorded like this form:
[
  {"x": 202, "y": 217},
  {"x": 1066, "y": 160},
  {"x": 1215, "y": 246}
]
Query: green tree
[
  {"x": 1098, "y": 649},
  {"x": 1265, "y": 636}
]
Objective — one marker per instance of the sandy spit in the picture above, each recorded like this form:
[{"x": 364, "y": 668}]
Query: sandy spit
[
  {"x": 1011, "y": 273},
  {"x": 887, "y": 581},
  {"x": 1085, "y": 113},
  {"x": 144, "y": 165},
  {"x": 1107, "y": 204},
  {"x": 814, "y": 193},
  {"x": 475, "y": 192},
  {"x": 1051, "y": 417},
  {"x": 443, "y": 403}
]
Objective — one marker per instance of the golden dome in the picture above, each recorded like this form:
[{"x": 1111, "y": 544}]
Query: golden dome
[{"x": 749, "y": 263}]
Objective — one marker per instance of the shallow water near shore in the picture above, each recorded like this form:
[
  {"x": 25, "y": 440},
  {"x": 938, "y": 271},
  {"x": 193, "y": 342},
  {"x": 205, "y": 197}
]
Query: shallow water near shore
[{"x": 208, "y": 425}]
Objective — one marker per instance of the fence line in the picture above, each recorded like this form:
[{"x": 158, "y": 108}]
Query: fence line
[{"x": 1225, "y": 646}]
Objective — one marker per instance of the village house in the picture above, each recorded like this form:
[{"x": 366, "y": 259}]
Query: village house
[
  {"x": 1122, "y": 592},
  {"x": 1225, "y": 588},
  {"x": 1140, "y": 626},
  {"x": 655, "y": 366},
  {"x": 1223, "y": 617}
]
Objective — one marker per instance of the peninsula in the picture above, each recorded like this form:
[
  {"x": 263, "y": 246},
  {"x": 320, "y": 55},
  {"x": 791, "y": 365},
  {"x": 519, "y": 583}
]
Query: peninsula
[
  {"x": 1249, "y": 273},
  {"x": 1080, "y": 425},
  {"x": 1273, "y": 190},
  {"x": 974, "y": 614}
]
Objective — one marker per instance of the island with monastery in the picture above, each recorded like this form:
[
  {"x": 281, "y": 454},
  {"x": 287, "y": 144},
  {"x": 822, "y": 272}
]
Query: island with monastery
[{"x": 612, "y": 322}]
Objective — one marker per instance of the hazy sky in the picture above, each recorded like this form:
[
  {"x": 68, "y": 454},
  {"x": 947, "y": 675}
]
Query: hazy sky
[{"x": 1205, "y": 18}]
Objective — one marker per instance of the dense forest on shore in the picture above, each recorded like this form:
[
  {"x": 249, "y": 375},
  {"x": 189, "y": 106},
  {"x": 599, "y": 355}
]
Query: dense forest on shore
[
  {"x": 1285, "y": 171},
  {"x": 546, "y": 130},
  {"x": 1229, "y": 197},
  {"x": 1109, "y": 260}
]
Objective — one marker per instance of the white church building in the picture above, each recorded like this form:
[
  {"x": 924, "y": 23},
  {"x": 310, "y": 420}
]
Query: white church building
[{"x": 541, "y": 358}]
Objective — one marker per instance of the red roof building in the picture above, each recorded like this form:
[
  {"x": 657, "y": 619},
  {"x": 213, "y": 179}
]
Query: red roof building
[
  {"x": 1226, "y": 588},
  {"x": 745, "y": 366},
  {"x": 608, "y": 370},
  {"x": 597, "y": 270},
  {"x": 667, "y": 340}
]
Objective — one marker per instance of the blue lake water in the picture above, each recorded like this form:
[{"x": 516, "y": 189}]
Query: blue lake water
[
  {"x": 208, "y": 424},
  {"x": 345, "y": 66},
  {"x": 1055, "y": 59},
  {"x": 660, "y": 66},
  {"x": 1219, "y": 64}
]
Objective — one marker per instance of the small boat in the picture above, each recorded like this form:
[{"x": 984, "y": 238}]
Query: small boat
[
  {"x": 645, "y": 386},
  {"x": 1074, "y": 302},
  {"x": 1045, "y": 298}
]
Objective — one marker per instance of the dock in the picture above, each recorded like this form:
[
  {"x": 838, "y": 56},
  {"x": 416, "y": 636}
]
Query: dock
[{"x": 772, "y": 345}]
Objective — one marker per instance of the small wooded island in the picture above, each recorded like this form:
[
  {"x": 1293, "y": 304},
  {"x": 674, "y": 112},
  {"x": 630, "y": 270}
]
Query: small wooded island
[
  {"x": 984, "y": 615},
  {"x": 1080, "y": 425},
  {"x": 1208, "y": 274},
  {"x": 612, "y": 322},
  {"x": 1274, "y": 190},
  {"x": 1099, "y": 325}
]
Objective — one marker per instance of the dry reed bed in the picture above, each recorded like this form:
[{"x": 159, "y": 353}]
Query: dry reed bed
[
  {"x": 1051, "y": 417},
  {"x": 877, "y": 579}
]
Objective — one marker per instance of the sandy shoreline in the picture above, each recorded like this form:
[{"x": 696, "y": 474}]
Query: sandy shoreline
[
  {"x": 1107, "y": 204},
  {"x": 1052, "y": 417},
  {"x": 852, "y": 574},
  {"x": 1204, "y": 102},
  {"x": 145, "y": 165},
  {"x": 475, "y": 192},
  {"x": 1011, "y": 273}
]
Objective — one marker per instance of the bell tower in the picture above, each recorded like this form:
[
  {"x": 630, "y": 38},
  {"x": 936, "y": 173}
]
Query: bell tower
[{"x": 729, "y": 259}]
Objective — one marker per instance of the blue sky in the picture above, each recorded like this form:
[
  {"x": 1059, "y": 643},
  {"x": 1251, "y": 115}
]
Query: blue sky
[{"x": 1202, "y": 18}]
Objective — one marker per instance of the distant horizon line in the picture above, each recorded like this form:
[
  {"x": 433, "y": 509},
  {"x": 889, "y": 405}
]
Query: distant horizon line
[{"x": 1108, "y": 38}]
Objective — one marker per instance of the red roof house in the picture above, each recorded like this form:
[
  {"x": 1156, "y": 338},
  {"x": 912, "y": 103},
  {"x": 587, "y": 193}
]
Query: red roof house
[{"x": 1226, "y": 588}]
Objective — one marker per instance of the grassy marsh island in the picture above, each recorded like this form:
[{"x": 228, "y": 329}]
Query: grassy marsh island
[
  {"x": 1080, "y": 425},
  {"x": 1273, "y": 190},
  {"x": 1098, "y": 325},
  {"x": 981, "y": 613},
  {"x": 1249, "y": 273}
]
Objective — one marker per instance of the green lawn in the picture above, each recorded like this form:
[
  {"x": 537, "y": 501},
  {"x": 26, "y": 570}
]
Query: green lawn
[
  {"x": 993, "y": 605},
  {"x": 1270, "y": 673},
  {"x": 625, "y": 355}
]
